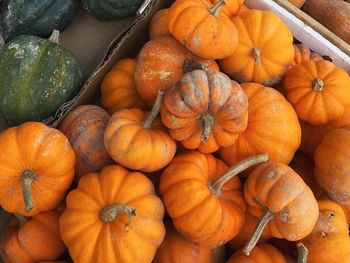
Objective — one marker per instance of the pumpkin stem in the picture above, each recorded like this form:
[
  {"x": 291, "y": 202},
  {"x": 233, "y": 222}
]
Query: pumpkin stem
[
  {"x": 55, "y": 36},
  {"x": 215, "y": 9},
  {"x": 207, "y": 125},
  {"x": 318, "y": 85},
  {"x": 147, "y": 122},
  {"x": 267, "y": 217},
  {"x": 27, "y": 179},
  {"x": 20, "y": 218},
  {"x": 256, "y": 53},
  {"x": 303, "y": 253},
  {"x": 111, "y": 212},
  {"x": 191, "y": 65},
  {"x": 217, "y": 185}
]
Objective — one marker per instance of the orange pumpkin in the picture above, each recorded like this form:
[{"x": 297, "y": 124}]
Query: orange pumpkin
[
  {"x": 265, "y": 49},
  {"x": 343, "y": 121},
  {"x": 273, "y": 127},
  {"x": 329, "y": 241},
  {"x": 304, "y": 166},
  {"x": 36, "y": 168},
  {"x": 213, "y": 211},
  {"x": 332, "y": 170},
  {"x": 113, "y": 216},
  {"x": 32, "y": 240},
  {"x": 118, "y": 88},
  {"x": 318, "y": 90},
  {"x": 263, "y": 253},
  {"x": 243, "y": 10},
  {"x": 297, "y": 3},
  {"x": 302, "y": 53},
  {"x": 203, "y": 28},
  {"x": 230, "y": 8},
  {"x": 84, "y": 128},
  {"x": 159, "y": 24},
  {"x": 279, "y": 196},
  {"x": 138, "y": 141},
  {"x": 161, "y": 64},
  {"x": 205, "y": 110}
]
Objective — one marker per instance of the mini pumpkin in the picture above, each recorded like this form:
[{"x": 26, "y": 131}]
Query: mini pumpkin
[
  {"x": 116, "y": 217},
  {"x": 303, "y": 53},
  {"x": 203, "y": 28},
  {"x": 159, "y": 24},
  {"x": 138, "y": 141},
  {"x": 118, "y": 88},
  {"x": 230, "y": 8},
  {"x": 279, "y": 196},
  {"x": 161, "y": 64},
  {"x": 318, "y": 90},
  {"x": 84, "y": 128},
  {"x": 243, "y": 10},
  {"x": 36, "y": 168},
  {"x": 32, "y": 240},
  {"x": 206, "y": 110},
  {"x": 273, "y": 127},
  {"x": 213, "y": 211},
  {"x": 265, "y": 49}
]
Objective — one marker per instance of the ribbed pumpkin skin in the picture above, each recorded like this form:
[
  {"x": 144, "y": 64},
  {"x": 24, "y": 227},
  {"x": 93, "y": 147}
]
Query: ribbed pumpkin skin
[
  {"x": 230, "y": 8},
  {"x": 303, "y": 53},
  {"x": 35, "y": 240},
  {"x": 111, "y": 9},
  {"x": 116, "y": 241},
  {"x": 159, "y": 24},
  {"x": 273, "y": 127},
  {"x": 35, "y": 17},
  {"x": 36, "y": 77},
  {"x": 84, "y": 128}
]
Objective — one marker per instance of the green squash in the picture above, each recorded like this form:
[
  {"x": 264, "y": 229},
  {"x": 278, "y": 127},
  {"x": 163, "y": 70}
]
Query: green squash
[
  {"x": 36, "y": 76},
  {"x": 35, "y": 17},
  {"x": 111, "y": 9}
]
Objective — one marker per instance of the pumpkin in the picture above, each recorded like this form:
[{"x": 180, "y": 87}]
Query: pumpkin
[
  {"x": 159, "y": 24},
  {"x": 342, "y": 121},
  {"x": 36, "y": 168},
  {"x": 265, "y": 49},
  {"x": 318, "y": 90},
  {"x": 116, "y": 217},
  {"x": 288, "y": 248},
  {"x": 278, "y": 195},
  {"x": 161, "y": 64},
  {"x": 297, "y": 3},
  {"x": 38, "y": 18},
  {"x": 213, "y": 211},
  {"x": 303, "y": 165},
  {"x": 332, "y": 165},
  {"x": 243, "y": 10},
  {"x": 302, "y": 53},
  {"x": 329, "y": 241},
  {"x": 118, "y": 88},
  {"x": 247, "y": 230},
  {"x": 134, "y": 141},
  {"x": 32, "y": 240},
  {"x": 273, "y": 127},
  {"x": 84, "y": 128},
  {"x": 205, "y": 110},
  {"x": 263, "y": 253},
  {"x": 202, "y": 28},
  {"x": 112, "y": 9},
  {"x": 230, "y": 8},
  {"x": 36, "y": 76}
]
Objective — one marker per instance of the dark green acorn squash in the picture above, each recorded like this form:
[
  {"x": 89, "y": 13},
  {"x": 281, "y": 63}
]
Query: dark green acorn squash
[
  {"x": 111, "y": 9},
  {"x": 36, "y": 76},
  {"x": 35, "y": 17}
]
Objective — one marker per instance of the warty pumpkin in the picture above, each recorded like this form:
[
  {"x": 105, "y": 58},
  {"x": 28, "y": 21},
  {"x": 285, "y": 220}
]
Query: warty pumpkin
[
  {"x": 161, "y": 64},
  {"x": 318, "y": 90},
  {"x": 138, "y": 141},
  {"x": 329, "y": 241},
  {"x": 265, "y": 49},
  {"x": 203, "y": 28},
  {"x": 32, "y": 240},
  {"x": 159, "y": 24},
  {"x": 213, "y": 211},
  {"x": 279, "y": 196},
  {"x": 332, "y": 170},
  {"x": 206, "y": 110},
  {"x": 84, "y": 128},
  {"x": 118, "y": 88},
  {"x": 113, "y": 216},
  {"x": 273, "y": 127},
  {"x": 303, "y": 53},
  {"x": 36, "y": 168},
  {"x": 231, "y": 7}
]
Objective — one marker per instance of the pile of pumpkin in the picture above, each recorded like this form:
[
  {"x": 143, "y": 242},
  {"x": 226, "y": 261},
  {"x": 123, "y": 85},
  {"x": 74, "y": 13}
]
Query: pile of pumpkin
[{"x": 217, "y": 151}]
